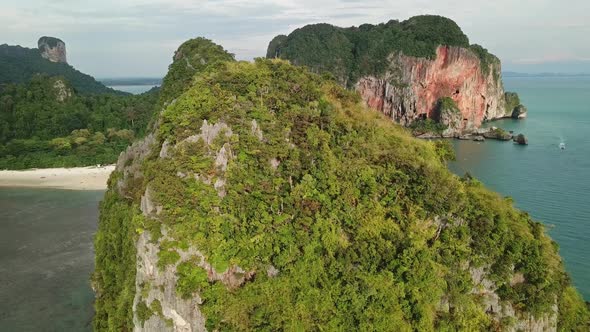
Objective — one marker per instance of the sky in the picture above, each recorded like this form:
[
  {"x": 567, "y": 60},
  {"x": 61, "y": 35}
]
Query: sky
[{"x": 137, "y": 38}]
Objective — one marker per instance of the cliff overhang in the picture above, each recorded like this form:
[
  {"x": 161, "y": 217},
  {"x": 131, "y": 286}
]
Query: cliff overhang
[{"x": 411, "y": 90}]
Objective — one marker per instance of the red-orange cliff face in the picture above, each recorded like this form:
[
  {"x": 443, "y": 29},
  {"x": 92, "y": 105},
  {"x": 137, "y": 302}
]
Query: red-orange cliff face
[{"x": 412, "y": 87}]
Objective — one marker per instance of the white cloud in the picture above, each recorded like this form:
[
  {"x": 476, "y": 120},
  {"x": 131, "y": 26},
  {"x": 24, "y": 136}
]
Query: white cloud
[{"x": 108, "y": 37}]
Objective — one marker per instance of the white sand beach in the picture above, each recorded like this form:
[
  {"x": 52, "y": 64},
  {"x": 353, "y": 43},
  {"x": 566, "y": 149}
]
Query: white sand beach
[{"x": 78, "y": 178}]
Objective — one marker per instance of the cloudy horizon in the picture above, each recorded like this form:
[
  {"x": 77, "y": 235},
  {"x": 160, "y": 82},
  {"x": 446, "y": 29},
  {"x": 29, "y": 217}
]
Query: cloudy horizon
[{"x": 136, "y": 38}]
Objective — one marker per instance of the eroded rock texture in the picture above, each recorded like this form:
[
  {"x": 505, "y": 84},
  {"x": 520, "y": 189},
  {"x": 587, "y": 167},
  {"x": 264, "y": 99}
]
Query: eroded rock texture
[
  {"x": 52, "y": 49},
  {"x": 412, "y": 86}
]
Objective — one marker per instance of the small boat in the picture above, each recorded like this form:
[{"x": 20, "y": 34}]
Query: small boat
[{"x": 562, "y": 146}]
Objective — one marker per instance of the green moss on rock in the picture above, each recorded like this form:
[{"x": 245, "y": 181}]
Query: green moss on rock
[
  {"x": 448, "y": 104},
  {"x": 156, "y": 307},
  {"x": 167, "y": 257},
  {"x": 499, "y": 134},
  {"x": 191, "y": 279},
  {"x": 143, "y": 312}
]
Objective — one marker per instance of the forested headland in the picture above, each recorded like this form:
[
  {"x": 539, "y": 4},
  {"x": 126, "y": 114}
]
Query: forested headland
[{"x": 47, "y": 123}]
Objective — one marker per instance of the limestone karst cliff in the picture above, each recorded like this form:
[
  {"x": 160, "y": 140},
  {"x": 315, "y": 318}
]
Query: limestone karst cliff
[
  {"x": 20, "y": 64},
  {"x": 267, "y": 197},
  {"x": 52, "y": 49},
  {"x": 403, "y": 69},
  {"x": 62, "y": 90},
  {"x": 411, "y": 88}
]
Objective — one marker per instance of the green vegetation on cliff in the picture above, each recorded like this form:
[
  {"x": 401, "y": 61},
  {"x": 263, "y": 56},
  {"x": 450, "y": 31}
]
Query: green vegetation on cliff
[
  {"x": 121, "y": 219},
  {"x": 512, "y": 102},
  {"x": 191, "y": 57},
  {"x": 44, "y": 123},
  {"x": 20, "y": 65},
  {"x": 487, "y": 60},
  {"x": 274, "y": 47},
  {"x": 342, "y": 218},
  {"x": 513, "y": 106},
  {"x": 351, "y": 53},
  {"x": 114, "y": 278},
  {"x": 448, "y": 104},
  {"x": 427, "y": 126}
]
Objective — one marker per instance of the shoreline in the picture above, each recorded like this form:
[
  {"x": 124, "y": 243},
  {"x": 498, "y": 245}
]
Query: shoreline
[{"x": 76, "y": 178}]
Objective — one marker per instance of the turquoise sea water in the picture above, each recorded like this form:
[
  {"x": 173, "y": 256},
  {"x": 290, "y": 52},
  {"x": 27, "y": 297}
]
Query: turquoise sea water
[
  {"x": 46, "y": 258},
  {"x": 553, "y": 185}
]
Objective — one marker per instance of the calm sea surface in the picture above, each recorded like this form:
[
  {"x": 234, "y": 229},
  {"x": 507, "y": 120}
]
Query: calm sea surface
[
  {"x": 553, "y": 185},
  {"x": 46, "y": 258},
  {"x": 134, "y": 89}
]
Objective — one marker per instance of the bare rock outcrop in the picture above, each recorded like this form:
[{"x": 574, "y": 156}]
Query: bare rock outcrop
[
  {"x": 411, "y": 88},
  {"x": 156, "y": 286},
  {"x": 52, "y": 49},
  {"x": 62, "y": 91},
  {"x": 519, "y": 112},
  {"x": 502, "y": 310},
  {"x": 520, "y": 139}
]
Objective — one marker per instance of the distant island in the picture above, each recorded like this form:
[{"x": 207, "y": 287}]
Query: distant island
[
  {"x": 131, "y": 81},
  {"x": 19, "y": 64},
  {"x": 517, "y": 74}
]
